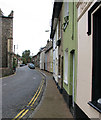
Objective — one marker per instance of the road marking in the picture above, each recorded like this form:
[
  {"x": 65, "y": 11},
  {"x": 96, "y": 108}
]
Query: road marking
[
  {"x": 24, "y": 113},
  {"x": 37, "y": 94},
  {"x": 34, "y": 78},
  {"x": 31, "y": 103},
  {"x": 19, "y": 114},
  {"x": 34, "y": 95}
]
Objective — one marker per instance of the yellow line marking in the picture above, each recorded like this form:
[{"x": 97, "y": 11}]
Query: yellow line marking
[
  {"x": 37, "y": 94},
  {"x": 41, "y": 84},
  {"x": 40, "y": 87},
  {"x": 24, "y": 113},
  {"x": 19, "y": 114},
  {"x": 34, "y": 95}
]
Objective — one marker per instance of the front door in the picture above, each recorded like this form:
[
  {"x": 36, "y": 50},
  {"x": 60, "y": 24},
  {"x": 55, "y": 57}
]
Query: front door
[
  {"x": 72, "y": 75},
  {"x": 96, "y": 78}
]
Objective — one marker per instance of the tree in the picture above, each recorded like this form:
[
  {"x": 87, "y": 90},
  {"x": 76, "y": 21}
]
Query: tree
[
  {"x": 24, "y": 61},
  {"x": 26, "y": 56}
]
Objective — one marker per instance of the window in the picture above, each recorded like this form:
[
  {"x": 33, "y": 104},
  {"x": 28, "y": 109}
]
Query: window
[
  {"x": 66, "y": 15},
  {"x": 66, "y": 67},
  {"x": 66, "y": 7}
]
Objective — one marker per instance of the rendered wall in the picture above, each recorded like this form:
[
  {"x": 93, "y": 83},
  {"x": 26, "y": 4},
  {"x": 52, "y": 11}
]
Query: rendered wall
[
  {"x": 70, "y": 43},
  {"x": 84, "y": 73}
]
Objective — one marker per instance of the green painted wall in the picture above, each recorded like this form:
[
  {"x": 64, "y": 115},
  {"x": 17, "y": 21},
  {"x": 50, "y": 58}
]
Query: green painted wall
[{"x": 70, "y": 42}]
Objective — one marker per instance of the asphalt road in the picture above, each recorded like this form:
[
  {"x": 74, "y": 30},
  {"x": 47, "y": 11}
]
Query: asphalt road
[{"x": 17, "y": 90}]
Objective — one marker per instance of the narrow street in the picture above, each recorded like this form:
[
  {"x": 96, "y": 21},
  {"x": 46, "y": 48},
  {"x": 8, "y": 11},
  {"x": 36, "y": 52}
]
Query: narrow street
[
  {"x": 18, "y": 90},
  {"x": 55, "y": 46}
]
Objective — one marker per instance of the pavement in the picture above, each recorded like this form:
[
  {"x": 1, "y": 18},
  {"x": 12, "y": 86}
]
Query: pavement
[{"x": 52, "y": 104}]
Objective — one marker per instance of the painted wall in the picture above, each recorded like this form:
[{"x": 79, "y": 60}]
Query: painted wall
[
  {"x": 84, "y": 74},
  {"x": 55, "y": 55},
  {"x": 69, "y": 44}
]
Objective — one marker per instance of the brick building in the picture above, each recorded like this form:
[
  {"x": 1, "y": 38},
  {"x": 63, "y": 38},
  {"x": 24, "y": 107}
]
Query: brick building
[{"x": 6, "y": 44}]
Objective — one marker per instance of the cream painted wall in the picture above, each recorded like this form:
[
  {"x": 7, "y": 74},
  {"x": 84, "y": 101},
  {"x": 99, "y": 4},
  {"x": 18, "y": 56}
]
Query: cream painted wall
[{"x": 84, "y": 72}]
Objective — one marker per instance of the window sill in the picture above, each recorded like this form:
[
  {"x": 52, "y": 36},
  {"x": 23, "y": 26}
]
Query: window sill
[{"x": 95, "y": 105}]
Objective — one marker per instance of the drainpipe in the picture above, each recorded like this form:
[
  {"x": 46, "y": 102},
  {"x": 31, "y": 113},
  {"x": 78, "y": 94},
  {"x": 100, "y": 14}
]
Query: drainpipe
[{"x": 73, "y": 23}]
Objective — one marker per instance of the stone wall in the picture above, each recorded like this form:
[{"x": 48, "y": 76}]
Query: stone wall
[
  {"x": 5, "y": 72},
  {"x": 6, "y": 43}
]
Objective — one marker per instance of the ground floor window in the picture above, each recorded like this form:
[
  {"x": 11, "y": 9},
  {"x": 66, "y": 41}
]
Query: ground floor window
[{"x": 66, "y": 67}]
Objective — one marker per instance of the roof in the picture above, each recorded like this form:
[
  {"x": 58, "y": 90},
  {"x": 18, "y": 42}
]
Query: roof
[{"x": 56, "y": 11}]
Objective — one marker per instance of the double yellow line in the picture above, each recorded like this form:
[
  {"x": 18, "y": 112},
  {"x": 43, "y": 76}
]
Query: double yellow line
[{"x": 31, "y": 103}]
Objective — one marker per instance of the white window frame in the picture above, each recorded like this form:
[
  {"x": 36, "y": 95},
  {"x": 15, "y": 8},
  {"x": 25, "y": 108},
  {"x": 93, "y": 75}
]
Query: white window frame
[{"x": 66, "y": 68}]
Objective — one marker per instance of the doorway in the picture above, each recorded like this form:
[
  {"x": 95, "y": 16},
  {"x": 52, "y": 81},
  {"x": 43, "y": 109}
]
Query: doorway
[
  {"x": 72, "y": 75},
  {"x": 96, "y": 77}
]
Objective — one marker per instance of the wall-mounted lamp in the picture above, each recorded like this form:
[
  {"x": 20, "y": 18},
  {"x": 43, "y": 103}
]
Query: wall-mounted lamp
[{"x": 66, "y": 21}]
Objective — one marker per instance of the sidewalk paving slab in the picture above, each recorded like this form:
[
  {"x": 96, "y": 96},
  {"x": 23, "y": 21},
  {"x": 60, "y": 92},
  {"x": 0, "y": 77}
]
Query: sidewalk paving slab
[{"x": 52, "y": 104}]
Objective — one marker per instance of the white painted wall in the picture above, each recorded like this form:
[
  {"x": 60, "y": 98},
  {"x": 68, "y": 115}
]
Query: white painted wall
[{"x": 55, "y": 56}]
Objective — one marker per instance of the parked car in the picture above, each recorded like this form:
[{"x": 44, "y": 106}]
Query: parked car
[
  {"x": 21, "y": 65},
  {"x": 31, "y": 66}
]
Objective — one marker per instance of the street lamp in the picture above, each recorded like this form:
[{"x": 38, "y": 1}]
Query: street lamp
[
  {"x": 47, "y": 30},
  {"x": 15, "y": 48}
]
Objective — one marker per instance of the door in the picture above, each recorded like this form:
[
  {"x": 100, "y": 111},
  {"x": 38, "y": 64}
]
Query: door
[
  {"x": 72, "y": 75},
  {"x": 73, "y": 79},
  {"x": 96, "y": 76}
]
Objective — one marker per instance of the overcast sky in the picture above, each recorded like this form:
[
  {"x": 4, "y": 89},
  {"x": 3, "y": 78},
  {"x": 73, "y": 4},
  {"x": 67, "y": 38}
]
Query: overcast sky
[{"x": 31, "y": 19}]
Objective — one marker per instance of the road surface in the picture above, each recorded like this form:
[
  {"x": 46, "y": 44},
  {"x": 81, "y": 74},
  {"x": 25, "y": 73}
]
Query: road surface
[{"x": 18, "y": 90}]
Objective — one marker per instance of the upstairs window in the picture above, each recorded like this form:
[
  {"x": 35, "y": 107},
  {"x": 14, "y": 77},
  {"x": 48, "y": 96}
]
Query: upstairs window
[{"x": 66, "y": 16}]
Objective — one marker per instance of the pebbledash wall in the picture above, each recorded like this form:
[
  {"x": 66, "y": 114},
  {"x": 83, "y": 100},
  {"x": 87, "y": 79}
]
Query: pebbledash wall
[
  {"x": 85, "y": 81},
  {"x": 6, "y": 35}
]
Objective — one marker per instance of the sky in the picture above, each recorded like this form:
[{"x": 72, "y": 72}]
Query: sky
[{"x": 31, "y": 19}]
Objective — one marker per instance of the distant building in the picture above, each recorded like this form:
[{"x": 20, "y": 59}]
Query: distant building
[
  {"x": 49, "y": 57},
  {"x": 42, "y": 58},
  {"x": 35, "y": 60},
  {"x": 6, "y": 44},
  {"x": 38, "y": 60}
]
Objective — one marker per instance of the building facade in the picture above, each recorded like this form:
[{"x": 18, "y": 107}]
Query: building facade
[
  {"x": 70, "y": 53},
  {"x": 42, "y": 58},
  {"x": 56, "y": 36},
  {"x": 89, "y": 57},
  {"x": 49, "y": 57},
  {"x": 6, "y": 35},
  {"x": 35, "y": 60}
]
